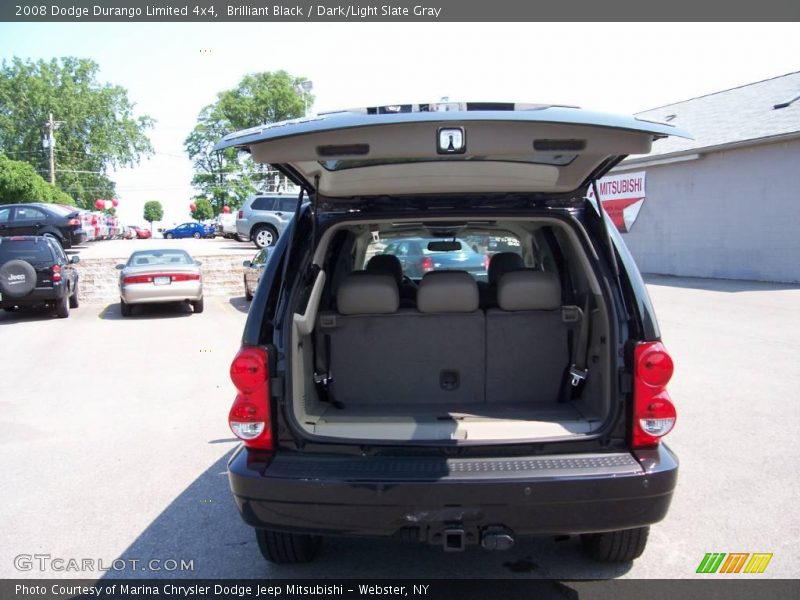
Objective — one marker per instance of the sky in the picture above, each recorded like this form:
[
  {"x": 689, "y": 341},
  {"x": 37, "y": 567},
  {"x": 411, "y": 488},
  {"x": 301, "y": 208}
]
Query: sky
[{"x": 173, "y": 70}]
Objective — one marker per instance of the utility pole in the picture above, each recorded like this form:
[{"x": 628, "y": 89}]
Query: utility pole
[{"x": 51, "y": 142}]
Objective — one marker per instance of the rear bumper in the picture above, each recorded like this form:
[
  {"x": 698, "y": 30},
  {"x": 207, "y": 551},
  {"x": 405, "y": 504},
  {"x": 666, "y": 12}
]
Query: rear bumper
[
  {"x": 146, "y": 293},
  {"x": 76, "y": 237},
  {"x": 39, "y": 295},
  {"x": 566, "y": 494}
]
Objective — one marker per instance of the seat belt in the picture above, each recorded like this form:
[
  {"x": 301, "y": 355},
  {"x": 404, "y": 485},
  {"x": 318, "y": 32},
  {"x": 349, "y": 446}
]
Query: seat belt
[
  {"x": 578, "y": 370},
  {"x": 323, "y": 380}
]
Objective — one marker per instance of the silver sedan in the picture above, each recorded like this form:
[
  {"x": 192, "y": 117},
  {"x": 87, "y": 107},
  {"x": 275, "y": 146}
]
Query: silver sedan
[
  {"x": 253, "y": 269},
  {"x": 157, "y": 276}
]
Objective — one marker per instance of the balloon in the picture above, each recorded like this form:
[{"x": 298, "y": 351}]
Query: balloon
[
  {"x": 192, "y": 206},
  {"x": 226, "y": 209},
  {"x": 115, "y": 203},
  {"x": 108, "y": 204},
  {"x": 99, "y": 204}
]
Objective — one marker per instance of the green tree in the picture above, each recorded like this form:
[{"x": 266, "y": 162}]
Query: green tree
[
  {"x": 95, "y": 126},
  {"x": 224, "y": 177},
  {"x": 19, "y": 182},
  {"x": 202, "y": 210},
  {"x": 153, "y": 211}
]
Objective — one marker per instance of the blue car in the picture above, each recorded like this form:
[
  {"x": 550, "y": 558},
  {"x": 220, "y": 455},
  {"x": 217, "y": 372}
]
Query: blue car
[{"x": 195, "y": 230}]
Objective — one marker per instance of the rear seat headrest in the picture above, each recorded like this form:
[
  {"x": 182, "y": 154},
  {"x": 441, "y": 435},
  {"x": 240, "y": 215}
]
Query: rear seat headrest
[
  {"x": 388, "y": 264},
  {"x": 447, "y": 292},
  {"x": 362, "y": 293},
  {"x": 501, "y": 263},
  {"x": 528, "y": 289}
]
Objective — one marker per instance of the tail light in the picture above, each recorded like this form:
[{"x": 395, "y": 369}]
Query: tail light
[
  {"x": 426, "y": 264},
  {"x": 654, "y": 414},
  {"x": 249, "y": 417},
  {"x": 56, "y": 273},
  {"x": 240, "y": 215},
  {"x": 486, "y": 261},
  {"x": 74, "y": 222},
  {"x": 149, "y": 278}
]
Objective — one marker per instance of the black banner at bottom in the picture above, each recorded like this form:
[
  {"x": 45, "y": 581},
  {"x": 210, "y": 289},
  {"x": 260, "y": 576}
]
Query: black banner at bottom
[{"x": 429, "y": 589}]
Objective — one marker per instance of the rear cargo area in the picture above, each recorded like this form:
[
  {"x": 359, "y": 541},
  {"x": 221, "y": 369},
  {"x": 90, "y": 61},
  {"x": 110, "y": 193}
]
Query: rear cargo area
[{"x": 450, "y": 358}]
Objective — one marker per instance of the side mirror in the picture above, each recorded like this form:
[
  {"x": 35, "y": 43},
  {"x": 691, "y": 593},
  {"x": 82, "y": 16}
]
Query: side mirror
[
  {"x": 75, "y": 259},
  {"x": 119, "y": 267},
  {"x": 246, "y": 263}
]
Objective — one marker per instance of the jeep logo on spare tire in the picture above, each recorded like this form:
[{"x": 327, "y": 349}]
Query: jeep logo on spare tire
[{"x": 15, "y": 279}]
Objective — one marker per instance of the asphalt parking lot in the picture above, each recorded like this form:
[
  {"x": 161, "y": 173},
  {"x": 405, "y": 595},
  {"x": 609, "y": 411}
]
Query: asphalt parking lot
[{"x": 113, "y": 441}]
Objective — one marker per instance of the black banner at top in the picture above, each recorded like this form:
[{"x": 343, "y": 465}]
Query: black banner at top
[{"x": 252, "y": 11}]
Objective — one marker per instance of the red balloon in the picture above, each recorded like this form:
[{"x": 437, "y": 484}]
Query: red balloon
[
  {"x": 192, "y": 206},
  {"x": 115, "y": 202},
  {"x": 99, "y": 204},
  {"x": 226, "y": 209}
]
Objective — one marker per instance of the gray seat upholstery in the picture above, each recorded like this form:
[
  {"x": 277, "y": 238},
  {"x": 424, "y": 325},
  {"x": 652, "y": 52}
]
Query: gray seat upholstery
[
  {"x": 382, "y": 355},
  {"x": 526, "y": 339}
]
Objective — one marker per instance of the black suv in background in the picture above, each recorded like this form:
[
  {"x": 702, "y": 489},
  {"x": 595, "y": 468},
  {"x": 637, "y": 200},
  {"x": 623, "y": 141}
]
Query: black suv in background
[
  {"x": 34, "y": 271},
  {"x": 58, "y": 222},
  {"x": 432, "y": 406}
]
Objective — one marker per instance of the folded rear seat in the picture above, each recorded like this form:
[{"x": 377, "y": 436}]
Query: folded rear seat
[
  {"x": 526, "y": 339},
  {"x": 381, "y": 355}
]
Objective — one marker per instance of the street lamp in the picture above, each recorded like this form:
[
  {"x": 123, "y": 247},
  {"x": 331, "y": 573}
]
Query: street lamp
[{"x": 303, "y": 88}]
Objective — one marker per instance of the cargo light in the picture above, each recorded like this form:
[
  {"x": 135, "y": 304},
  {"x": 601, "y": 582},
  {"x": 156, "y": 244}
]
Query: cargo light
[
  {"x": 249, "y": 417},
  {"x": 654, "y": 413}
]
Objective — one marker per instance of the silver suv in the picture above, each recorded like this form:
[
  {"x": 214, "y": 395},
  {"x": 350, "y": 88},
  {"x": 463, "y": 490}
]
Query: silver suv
[{"x": 263, "y": 217}]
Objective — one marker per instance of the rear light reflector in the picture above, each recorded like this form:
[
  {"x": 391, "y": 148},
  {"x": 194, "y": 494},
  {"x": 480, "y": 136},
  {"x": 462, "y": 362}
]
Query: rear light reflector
[
  {"x": 249, "y": 417},
  {"x": 654, "y": 413},
  {"x": 56, "y": 273},
  {"x": 427, "y": 264}
]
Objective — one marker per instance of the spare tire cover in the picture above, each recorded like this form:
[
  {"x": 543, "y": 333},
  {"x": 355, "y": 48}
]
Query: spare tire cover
[{"x": 17, "y": 278}]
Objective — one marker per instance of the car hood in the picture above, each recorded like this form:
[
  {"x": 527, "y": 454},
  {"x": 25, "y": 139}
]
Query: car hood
[{"x": 550, "y": 149}]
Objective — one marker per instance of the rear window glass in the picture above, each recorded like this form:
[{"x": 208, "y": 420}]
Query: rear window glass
[
  {"x": 61, "y": 209},
  {"x": 263, "y": 203},
  {"x": 29, "y": 250},
  {"x": 159, "y": 257},
  {"x": 417, "y": 258}
]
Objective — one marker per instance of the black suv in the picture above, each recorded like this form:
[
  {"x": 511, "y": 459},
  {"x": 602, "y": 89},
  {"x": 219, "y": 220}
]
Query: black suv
[
  {"x": 438, "y": 408},
  {"x": 61, "y": 223},
  {"x": 34, "y": 271}
]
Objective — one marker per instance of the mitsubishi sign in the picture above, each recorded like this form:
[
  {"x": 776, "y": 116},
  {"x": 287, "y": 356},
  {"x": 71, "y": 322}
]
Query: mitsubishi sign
[{"x": 622, "y": 196}]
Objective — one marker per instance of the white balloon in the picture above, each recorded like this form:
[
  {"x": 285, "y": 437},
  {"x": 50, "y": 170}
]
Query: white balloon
[{"x": 109, "y": 204}]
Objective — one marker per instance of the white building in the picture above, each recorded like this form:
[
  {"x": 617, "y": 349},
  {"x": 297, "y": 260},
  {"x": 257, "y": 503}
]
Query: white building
[{"x": 726, "y": 204}]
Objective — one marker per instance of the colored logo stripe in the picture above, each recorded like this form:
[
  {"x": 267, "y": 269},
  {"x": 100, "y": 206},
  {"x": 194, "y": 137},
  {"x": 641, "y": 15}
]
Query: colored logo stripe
[
  {"x": 758, "y": 563},
  {"x": 711, "y": 562},
  {"x": 735, "y": 561}
]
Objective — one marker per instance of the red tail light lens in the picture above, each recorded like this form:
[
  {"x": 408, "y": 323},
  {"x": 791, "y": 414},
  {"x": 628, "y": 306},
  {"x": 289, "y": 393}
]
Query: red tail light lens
[
  {"x": 74, "y": 222},
  {"x": 486, "y": 261},
  {"x": 426, "y": 264},
  {"x": 240, "y": 215},
  {"x": 56, "y": 273},
  {"x": 249, "y": 417},
  {"x": 654, "y": 414},
  {"x": 149, "y": 278}
]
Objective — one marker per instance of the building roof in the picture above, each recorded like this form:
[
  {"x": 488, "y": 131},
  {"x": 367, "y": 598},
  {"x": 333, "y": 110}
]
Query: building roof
[{"x": 742, "y": 114}]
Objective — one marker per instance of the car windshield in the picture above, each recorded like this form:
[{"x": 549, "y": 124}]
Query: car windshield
[
  {"x": 28, "y": 250},
  {"x": 159, "y": 257}
]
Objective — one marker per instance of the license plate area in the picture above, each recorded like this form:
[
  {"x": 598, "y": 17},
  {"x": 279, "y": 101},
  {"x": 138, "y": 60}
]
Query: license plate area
[{"x": 162, "y": 280}]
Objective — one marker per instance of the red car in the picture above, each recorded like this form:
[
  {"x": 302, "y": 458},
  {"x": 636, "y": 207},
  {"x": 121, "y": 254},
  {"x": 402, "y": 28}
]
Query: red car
[{"x": 142, "y": 234}]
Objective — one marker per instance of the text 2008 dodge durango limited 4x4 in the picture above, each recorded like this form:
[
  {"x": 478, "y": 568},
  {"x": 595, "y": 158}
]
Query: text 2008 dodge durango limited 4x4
[{"x": 390, "y": 384}]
